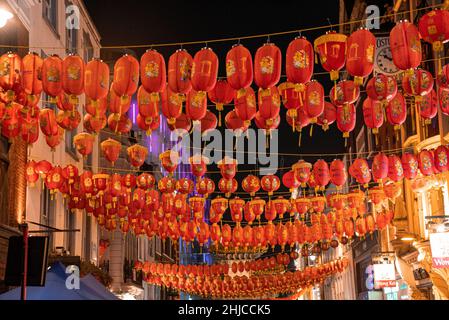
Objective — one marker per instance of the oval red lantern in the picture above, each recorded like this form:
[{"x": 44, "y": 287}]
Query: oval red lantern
[
  {"x": 152, "y": 71},
  {"x": 126, "y": 77},
  {"x": 321, "y": 173},
  {"x": 148, "y": 103},
  {"x": 51, "y": 76},
  {"x": 73, "y": 76},
  {"x": 426, "y": 162},
  {"x": 289, "y": 180},
  {"x": 179, "y": 72},
  {"x": 270, "y": 183},
  {"x": 228, "y": 167},
  {"x": 119, "y": 123},
  {"x": 204, "y": 70},
  {"x": 302, "y": 170},
  {"x": 373, "y": 114},
  {"x": 111, "y": 149},
  {"x": 32, "y": 75},
  {"x": 434, "y": 28},
  {"x": 382, "y": 88},
  {"x": 397, "y": 111},
  {"x": 395, "y": 170},
  {"x": 328, "y": 116},
  {"x": 251, "y": 184},
  {"x": 441, "y": 156},
  {"x": 84, "y": 143},
  {"x": 267, "y": 66},
  {"x": 405, "y": 45},
  {"x": 361, "y": 46},
  {"x": 171, "y": 105},
  {"x": 331, "y": 48},
  {"x": 196, "y": 105},
  {"x": 379, "y": 167},
  {"x": 417, "y": 83},
  {"x": 245, "y": 105},
  {"x": 409, "y": 165},
  {"x": 96, "y": 80},
  {"x": 314, "y": 100},
  {"x": 299, "y": 62},
  {"x": 346, "y": 118},
  {"x": 11, "y": 73},
  {"x": 239, "y": 67},
  {"x": 269, "y": 102},
  {"x": 428, "y": 107},
  {"x": 359, "y": 170},
  {"x": 31, "y": 174},
  {"x": 344, "y": 93},
  {"x": 221, "y": 94},
  {"x": 338, "y": 174},
  {"x": 47, "y": 122}
]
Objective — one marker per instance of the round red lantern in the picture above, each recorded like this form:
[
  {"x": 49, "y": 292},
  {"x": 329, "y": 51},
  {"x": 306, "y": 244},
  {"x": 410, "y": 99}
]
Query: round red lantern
[
  {"x": 228, "y": 167},
  {"x": 205, "y": 186},
  {"x": 382, "y": 88},
  {"x": 251, "y": 184},
  {"x": 434, "y": 28},
  {"x": 331, "y": 48},
  {"x": 111, "y": 149},
  {"x": 221, "y": 94},
  {"x": 361, "y": 45},
  {"x": 198, "y": 165},
  {"x": 227, "y": 186},
  {"x": 359, "y": 170},
  {"x": 270, "y": 183},
  {"x": 405, "y": 45},
  {"x": 289, "y": 180},
  {"x": 84, "y": 143},
  {"x": 267, "y": 66}
]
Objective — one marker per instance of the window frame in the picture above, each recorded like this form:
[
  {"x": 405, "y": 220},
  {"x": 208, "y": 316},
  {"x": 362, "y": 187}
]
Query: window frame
[{"x": 53, "y": 25}]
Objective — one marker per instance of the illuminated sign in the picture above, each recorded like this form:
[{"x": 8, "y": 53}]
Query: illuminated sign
[
  {"x": 384, "y": 275},
  {"x": 439, "y": 245}
]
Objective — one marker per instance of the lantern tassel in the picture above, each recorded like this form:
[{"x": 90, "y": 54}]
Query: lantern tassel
[
  {"x": 311, "y": 130},
  {"x": 219, "y": 118},
  {"x": 300, "y": 135}
]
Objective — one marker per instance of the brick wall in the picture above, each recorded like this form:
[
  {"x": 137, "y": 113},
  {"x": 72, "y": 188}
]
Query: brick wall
[{"x": 17, "y": 182}]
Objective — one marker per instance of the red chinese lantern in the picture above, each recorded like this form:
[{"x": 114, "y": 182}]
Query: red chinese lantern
[
  {"x": 382, "y": 88},
  {"x": 148, "y": 103},
  {"x": 198, "y": 165},
  {"x": 251, "y": 184},
  {"x": 267, "y": 66},
  {"x": 226, "y": 233},
  {"x": 245, "y": 105},
  {"x": 373, "y": 115},
  {"x": 395, "y": 170},
  {"x": 94, "y": 124},
  {"x": 152, "y": 71},
  {"x": 51, "y": 76},
  {"x": 228, "y": 167},
  {"x": 344, "y": 92},
  {"x": 179, "y": 72},
  {"x": 31, "y": 174},
  {"x": 148, "y": 124},
  {"x": 32, "y": 75},
  {"x": 428, "y": 107},
  {"x": 227, "y": 186},
  {"x": 289, "y": 180},
  {"x": 331, "y": 48},
  {"x": 54, "y": 179},
  {"x": 269, "y": 103},
  {"x": 418, "y": 83},
  {"x": 221, "y": 94},
  {"x": 84, "y": 143},
  {"x": 68, "y": 120},
  {"x": 434, "y": 28},
  {"x": 239, "y": 67},
  {"x": 249, "y": 214},
  {"x": 208, "y": 123},
  {"x": 302, "y": 172},
  {"x": 359, "y": 170},
  {"x": 321, "y": 173},
  {"x": 166, "y": 185},
  {"x": 181, "y": 125},
  {"x": 270, "y": 183},
  {"x": 184, "y": 186},
  {"x": 47, "y": 122},
  {"x": 338, "y": 174},
  {"x": 328, "y": 116},
  {"x": 397, "y": 111},
  {"x": 426, "y": 162},
  {"x": 441, "y": 156},
  {"x": 11, "y": 121},
  {"x": 73, "y": 76},
  {"x": 281, "y": 206},
  {"x": 137, "y": 155},
  {"x": 236, "y": 206},
  {"x": 196, "y": 105},
  {"x": 11, "y": 73},
  {"x": 299, "y": 62},
  {"x": 405, "y": 45},
  {"x": 346, "y": 117},
  {"x": 204, "y": 70},
  {"x": 379, "y": 167},
  {"x": 126, "y": 77},
  {"x": 410, "y": 165},
  {"x": 443, "y": 96},
  {"x": 96, "y": 80},
  {"x": 257, "y": 206},
  {"x": 111, "y": 149},
  {"x": 171, "y": 105},
  {"x": 361, "y": 45},
  {"x": 233, "y": 122},
  {"x": 314, "y": 100},
  {"x": 205, "y": 186},
  {"x": 29, "y": 128}
]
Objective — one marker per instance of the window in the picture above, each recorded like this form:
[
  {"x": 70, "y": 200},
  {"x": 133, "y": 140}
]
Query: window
[
  {"x": 50, "y": 13},
  {"x": 69, "y": 145},
  {"x": 87, "y": 238},
  {"x": 70, "y": 236},
  {"x": 87, "y": 47},
  {"x": 48, "y": 211}
]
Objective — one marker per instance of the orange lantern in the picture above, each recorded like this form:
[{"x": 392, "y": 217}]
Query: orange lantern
[
  {"x": 360, "y": 54},
  {"x": 239, "y": 67},
  {"x": 376, "y": 195},
  {"x": 169, "y": 160},
  {"x": 152, "y": 71},
  {"x": 236, "y": 206},
  {"x": 417, "y": 83},
  {"x": 397, "y": 111},
  {"x": 111, "y": 149},
  {"x": 96, "y": 80},
  {"x": 126, "y": 77},
  {"x": 73, "y": 76},
  {"x": 179, "y": 72},
  {"x": 392, "y": 191},
  {"x": 84, "y": 143},
  {"x": 29, "y": 128},
  {"x": 245, "y": 105},
  {"x": 198, "y": 165},
  {"x": 302, "y": 171},
  {"x": 405, "y": 45},
  {"x": 205, "y": 186},
  {"x": 196, "y": 105},
  {"x": 227, "y": 186},
  {"x": 331, "y": 48},
  {"x": 251, "y": 184},
  {"x": 137, "y": 155},
  {"x": 32, "y": 75},
  {"x": 31, "y": 174},
  {"x": 51, "y": 76},
  {"x": 267, "y": 66},
  {"x": 11, "y": 73},
  {"x": 359, "y": 170},
  {"x": 270, "y": 183}
]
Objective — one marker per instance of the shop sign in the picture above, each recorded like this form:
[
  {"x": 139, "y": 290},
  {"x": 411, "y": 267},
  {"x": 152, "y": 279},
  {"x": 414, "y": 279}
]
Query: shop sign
[
  {"x": 439, "y": 245},
  {"x": 384, "y": 275}
]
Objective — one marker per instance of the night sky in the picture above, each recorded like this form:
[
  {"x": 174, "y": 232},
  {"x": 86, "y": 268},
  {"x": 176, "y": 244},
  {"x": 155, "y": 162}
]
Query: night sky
[{"x": 134, "y": 22}]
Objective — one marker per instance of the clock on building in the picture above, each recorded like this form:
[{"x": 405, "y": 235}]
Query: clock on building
[{"x": 384, "y": 61}]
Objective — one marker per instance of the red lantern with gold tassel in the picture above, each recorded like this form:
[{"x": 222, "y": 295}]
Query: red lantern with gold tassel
[
  {"x": 239, "y": 67},
  {"x": 126, "y": 77},
  {"x": 196, "y": 105},
  {"x": 267, "y": 66},
  {"x": 410, "y": 165},
  {"x": 379, "y": 167},
  {"x": 10, "y": 75},
  {"x": 314, "y": 100},
  {"x": 169, "y": 160},
  {"x": 397, "y": 111},
  {"x": 148, "y": 103},
  {"x": 331, "y": 49},
  {"x": 96, "y": 80},
  {"x": 119, "y": 123},
  {"x": 346, "y": 118},
  {"x": 270, "y": 183},
  {"x": 299, "y": 62},
  {"x": 198, "y": 165},
  {"x": 359, "y": 170},
  {"x": 395, "y": 170},
  {"x": 344, "y": 93},
  {"x": 428, "y": 107},
  {"x": 111, "y": 149},
  {"x": 84, "y": 143},
  {"x": 228, "y": 167},
  {"x": 152, "y": 71},
  {"x": 382, "y": 88},
  {"x": 257, "y": 205},
  {"x": 204, "y": 70},
  {"x": 269, "y": 103},
  {"x": 328, "y": 116},
  {"x": 426, "y": 162},
  {"x": 227, "y": 186},
  {"x": 361, "y": 45},
  {"x": 179, "y": 72},
  {"x": 321, "y": 173},
  {"x": 236, "y": 206},
  {"x": 54, "y": 140},
  {"x": 148, "y": 124},
  {"x": 441, "y": 156},
  {"x": 32, "y": 75},
  {"x": 418, "y": 83},
  {"x": 281, "y": 206},
  {"x": 289, "y": 180},
  {"x": 137, "y": 155},
  {"x": 31, "y": 174},
  {"x": 245, "y": 105},
  {"x": 220, "y": 95},
  {"x": 47, "y": 122},
  {"x": 405, "y": 45},
  {"x": 373, "y": 115},
  {"x": 434, "y": 28},
  {"x": 51, "y": 76},
  {"x": 166, "y": 185},
  {"x": 29, "y": 128},
  {"x": 171, "y": 105},
  {"x": 251, "y": 184},
  {"x": 205, "y": 186},
  {"x": 302, "y": 170},
  {"x": 73, "y": 76}
]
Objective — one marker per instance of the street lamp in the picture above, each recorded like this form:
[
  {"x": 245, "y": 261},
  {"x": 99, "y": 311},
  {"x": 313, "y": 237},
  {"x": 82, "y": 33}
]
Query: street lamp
[{"x": 5, "y": 15}]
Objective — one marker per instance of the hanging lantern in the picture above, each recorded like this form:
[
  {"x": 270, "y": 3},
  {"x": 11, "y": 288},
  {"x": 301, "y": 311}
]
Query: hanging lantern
[
  {"x": 331, "y": 48},
  {"x": 68, "y": 120},
  {"x": 86, "y": 183},
  {"x": 344, "y": 92},
  {"x": 96, "y": 80},
  {"x": 111, "y": 149},
  {"x": 270, "y": 183},
  {"x": 291, "y": 99},
  {"x": 360, "y": 55},
  {"x": 434, "y": 28},
  {"x": 137, "y": 155},
  {"x": 302, "y": 171},
  {"x": 148, "y": 124},
  {"x": 179, "y": 72},
  {"x": 380, "y": 167},
  {"x": 245, "y": 105},
  {"x": 269, "y": 103},
  {"x": 198, "y": 165},
  {"x": 182, "y": 125},
  {"x": 197, "y": 206},
  {"x": 321, "y": 173},
  {"x": 73, "y": 76},
  {"x": 395, "y": 170},
  {"x": 166, "y": 185},
  {"x": 234, "y": 123},
  {"x": 169, "y": 160},
  {"x": 47, "y": 122},
  {"x": 220, "y": 95},
  {"x": 116, "y": 104},
  {"x": 54, "y": 179},
  {"x": 31, "y": 174},
  {"x": 227, "y": 186},
  {"x": 359, "y": 170},
  {"x": 314, "y": 100},
  {"x": 32, "y": 75},
  {"x": 119, "y": 123},
  {"x": 441, "y": 156},
  {"x": 267, "y": 66},
  {"x": 328, "y": 116},
  {"x": 289, "y": 180},
  {"x": 204, "y": 70},
  {"x": 145, "y": 181},
  {"x": 148, "y": 103},
  {"x": 281, "y": 206},
  {"x": 299, "y": 62},
  {"x": 54, "y": 140},
  {"x": 346, "y": 118},
  {"x": 382, "y": 88},
  {"x": 426, "y": 162},
  {"x": 443, "y": 96},
  {"x": 338, "y": 174},
  {"x": 205, "y": 186},
  {"x": 428, "y": 107},
  {"x": 405, "y": 45},
  {"x": 397, "y": 111},
  {"x": 29, "y": 128},
  {"x": 228, "y": 167},
  {"x": 152, "y": 71},
  {"x": 93, "y": 124},
  {"x": 171, "y": 105},
  {"x": 251, "y": 184},
  {"x": 196, "y": 105},
  {"x": 236, "y": 206},
  {"x": 392, "y": 191},
  {"x": 84, "y": 143},
  {"x": 126, "y": 77},
  {"x": 208, "y": 123},
  {"x": 373, "y": 115},
  {"x": 337, "y": 201},
  {"x": 409, "y": 165},
  {"x": 239, "y": 67},
  {"x": 184, "y": 186},
  {"x": 257, "y": 205},
  {"x": 51, "y": 76},
  {"x": 418, "y": 83}
]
